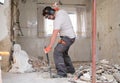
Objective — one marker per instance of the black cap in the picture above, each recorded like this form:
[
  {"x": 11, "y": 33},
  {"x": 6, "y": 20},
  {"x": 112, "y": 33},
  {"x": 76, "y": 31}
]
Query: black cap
[{"x": 48, "y": 11}]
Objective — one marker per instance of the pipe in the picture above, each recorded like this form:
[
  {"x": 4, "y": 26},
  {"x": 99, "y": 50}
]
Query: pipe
[
  {"x": 94, "y": 41},
  {"x": 63, "y": 4}
]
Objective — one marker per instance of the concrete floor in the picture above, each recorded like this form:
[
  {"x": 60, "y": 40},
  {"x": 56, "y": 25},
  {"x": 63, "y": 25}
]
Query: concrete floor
[{"x": 35, "y": 77}]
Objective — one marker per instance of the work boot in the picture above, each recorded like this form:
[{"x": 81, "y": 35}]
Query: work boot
[
  {"x": 71, "y": 72},
  {"x": 59, "y": 76}
]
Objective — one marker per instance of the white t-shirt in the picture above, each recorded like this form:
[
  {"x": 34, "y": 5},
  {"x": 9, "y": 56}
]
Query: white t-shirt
[{"x": 63, "y": 23}]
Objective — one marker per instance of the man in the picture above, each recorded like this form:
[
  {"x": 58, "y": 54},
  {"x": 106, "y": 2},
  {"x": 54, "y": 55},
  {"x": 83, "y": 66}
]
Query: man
[{"x": 63, "y": 26}]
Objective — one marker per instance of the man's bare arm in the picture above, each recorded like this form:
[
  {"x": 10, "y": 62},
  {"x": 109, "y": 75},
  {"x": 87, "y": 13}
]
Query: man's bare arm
[
  {"x": 53, "y": 37},
  {"x": 52, "y": 41}
]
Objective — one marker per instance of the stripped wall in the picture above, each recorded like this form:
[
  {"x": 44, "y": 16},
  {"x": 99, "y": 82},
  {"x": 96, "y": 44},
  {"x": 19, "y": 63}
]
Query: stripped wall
[
  {"x": 33, "y": 45},
  {"x": 108, "y": 30},
  {"x": 5, "y": 23}
]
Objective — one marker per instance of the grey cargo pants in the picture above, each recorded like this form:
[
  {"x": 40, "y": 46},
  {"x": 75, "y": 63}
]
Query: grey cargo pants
[{"x": 62, "y": 60}]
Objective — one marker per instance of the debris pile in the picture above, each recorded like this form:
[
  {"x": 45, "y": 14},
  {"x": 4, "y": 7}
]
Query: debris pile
[
  {"x": 106, "y": 72},
  {"x": 38, "y": 63}
]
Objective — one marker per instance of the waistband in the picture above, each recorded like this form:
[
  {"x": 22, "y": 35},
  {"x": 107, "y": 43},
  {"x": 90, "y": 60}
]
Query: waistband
[{"x": 66, "y": 37}]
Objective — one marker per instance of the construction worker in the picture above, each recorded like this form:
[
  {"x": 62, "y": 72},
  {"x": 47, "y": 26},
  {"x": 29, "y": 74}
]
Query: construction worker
[{"x": 63, "y": 27}]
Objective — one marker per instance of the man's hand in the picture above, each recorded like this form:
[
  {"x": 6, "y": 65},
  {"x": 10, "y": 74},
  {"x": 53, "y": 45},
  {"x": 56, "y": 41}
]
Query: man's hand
[{"x": 47, "y": 49}]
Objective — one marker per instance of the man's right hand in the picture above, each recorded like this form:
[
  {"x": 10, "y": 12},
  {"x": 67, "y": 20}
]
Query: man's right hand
[{"x": 47, "y": 49}]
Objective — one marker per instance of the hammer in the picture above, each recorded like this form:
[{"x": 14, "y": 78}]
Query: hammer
[{"x": 48, "y": 64}]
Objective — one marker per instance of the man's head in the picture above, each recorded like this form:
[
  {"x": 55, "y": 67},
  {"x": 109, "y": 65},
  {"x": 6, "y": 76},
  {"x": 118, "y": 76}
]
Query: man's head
[{"x": 49, "y": 12}]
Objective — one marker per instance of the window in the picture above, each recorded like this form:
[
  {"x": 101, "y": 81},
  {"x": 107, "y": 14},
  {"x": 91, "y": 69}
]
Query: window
[
  {"x": 48, "y": 27},
  {"x": 73, "y": 18},
  {"x": 81, "y": 21},
  {"x": 83, "y": 24},
  {"x": 49, "y": 24}
]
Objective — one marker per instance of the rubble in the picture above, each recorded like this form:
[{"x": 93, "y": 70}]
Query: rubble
[
  {"x": 38, "y": 63},
  {"x": 117, "y": 76},
  {"x": 106, "y": 72},
  {"x": 23, "y": 63}
]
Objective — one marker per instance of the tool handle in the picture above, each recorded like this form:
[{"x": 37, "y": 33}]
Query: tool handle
[
  {"x": 47, "y": 57},
  {"x": 48, "y": 63}
]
